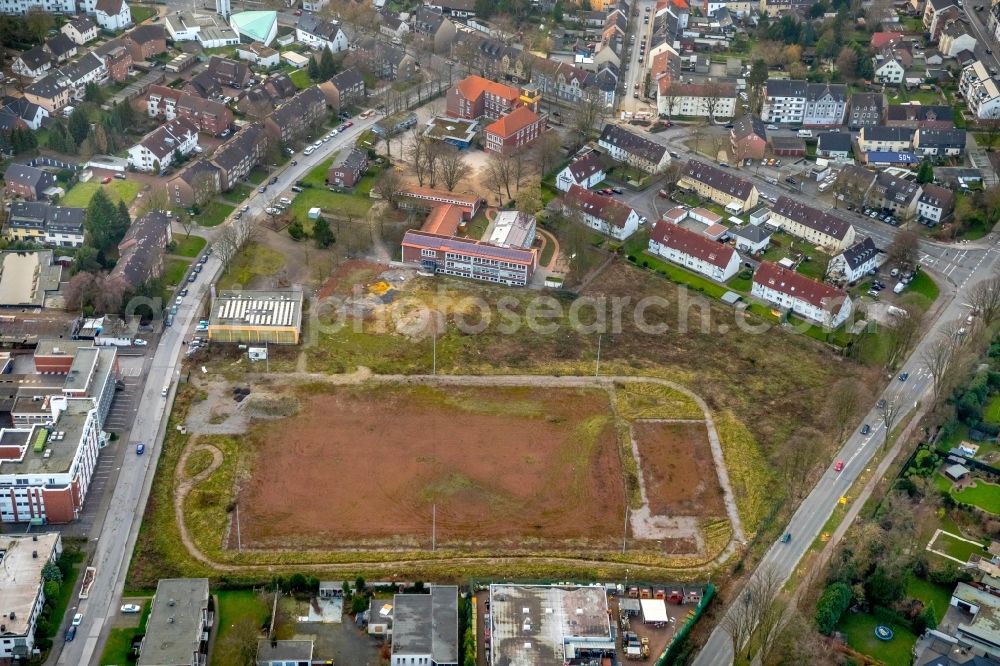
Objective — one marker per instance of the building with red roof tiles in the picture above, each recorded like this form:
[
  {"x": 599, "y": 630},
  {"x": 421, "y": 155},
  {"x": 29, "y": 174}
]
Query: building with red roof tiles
[
  {"x": 518, "y": 128},
  {"x": 693, "y": 251},
  {"x": 463, "y": 257},
  {"x": 474, "y": 97},
  {"x": 816, "y": 301},
  {"x": 882, "y": 39}
]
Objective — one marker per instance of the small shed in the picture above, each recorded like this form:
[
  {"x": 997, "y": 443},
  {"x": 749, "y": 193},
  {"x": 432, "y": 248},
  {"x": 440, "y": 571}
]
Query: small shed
[
  {"x": 629, "y": 606},
  {"x": 314, "y": 213},
  {"x": 760, "y": 215},
  {"x": 956, "y": 472},
  {"x": 654, "y": 611}
]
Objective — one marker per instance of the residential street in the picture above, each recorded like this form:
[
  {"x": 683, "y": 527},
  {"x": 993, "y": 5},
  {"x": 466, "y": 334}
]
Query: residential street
[{"x": 117, "y": 530}]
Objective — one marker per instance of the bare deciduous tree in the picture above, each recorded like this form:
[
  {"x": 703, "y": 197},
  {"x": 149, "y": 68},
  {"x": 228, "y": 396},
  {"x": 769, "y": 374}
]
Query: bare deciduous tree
[
  {"x": 904, "y": 248},
  {"x": 387, "y": 186},
  {"x": 843, "y": 401},
  {"x": 500, "y": 172},
  {"x": 548, "y": 150},
  {"x": 889, "y": 410},
  {"x": 985, "y": 300},
  {"x": 240, "y": 642},
  {"x": 453, "y": 166},
  {"x": 750, "y": 608},
  {"x": 900, "y": 332},
  {"x": 417, "y": 152}
]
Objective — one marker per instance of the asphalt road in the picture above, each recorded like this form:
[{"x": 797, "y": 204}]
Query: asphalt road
[
  {"x": 636, "y": 73},
  {"x": 118, "y": 529}
]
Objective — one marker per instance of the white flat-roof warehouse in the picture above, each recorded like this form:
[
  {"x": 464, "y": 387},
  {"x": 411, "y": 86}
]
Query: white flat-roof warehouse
[
  {"x": 256, "y": 316},
  {"x": 544, "y": 625}
]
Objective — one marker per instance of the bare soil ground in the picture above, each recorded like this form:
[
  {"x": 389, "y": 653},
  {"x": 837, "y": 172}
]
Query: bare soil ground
[
  {"x": 678, "y": 469},
  {"x": 501, "y": 464}
]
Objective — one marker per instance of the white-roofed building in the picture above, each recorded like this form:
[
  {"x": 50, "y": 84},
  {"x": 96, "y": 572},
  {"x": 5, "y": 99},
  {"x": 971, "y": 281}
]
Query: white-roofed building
[{"x": 982, "y": 97}]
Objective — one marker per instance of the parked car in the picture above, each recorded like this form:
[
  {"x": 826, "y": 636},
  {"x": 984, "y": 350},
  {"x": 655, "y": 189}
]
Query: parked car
[
  {"x": 139, "y": 342},
  {"x": 70, "y": 634},
  {"x": 617, "y": 190},
  {"x": 904, "y": 376},
  {"x": 120, "y": 176},
  {"x": 140, "y": 448},
  {"x": 77, "y": 619},
  {"x": 866, "y": 429},
  {"x": 262, "y": 189},
  {"x": 274, "y": 179}
]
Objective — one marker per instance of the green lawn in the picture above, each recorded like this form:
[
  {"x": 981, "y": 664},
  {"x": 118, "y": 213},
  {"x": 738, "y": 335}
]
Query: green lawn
[
  {"x": 930, "y": 593},
  {"x": 681, "y": 276},
  {"x": 859, "y": 628},
  {"x": 984, "y": 495},
  {"x": 922, "y": 96},
  {"x": 254, "y": 260},
  {"x": 317, "y": 177},
  {"x": 991, "y": 412},
  {"x": 237, "y": 194},
  {"x": 922, "y": 284},
  {"x": 190, "y": 246},
  {"x": 141, "y": 12},
  {"x": 174, "y": 270},
  {"x": 257, "y": 176},
  {"x": 815, "y": 266},
  {"x": 214, "y": 214},
  {"x": 117, "y": 190},
  {"x": 300, "y": 78},
  {"x": 356, "y": 204},
  {"x": 235, "y": 605},
  {"x": 957, "y": 548},
  {"x": 477, "y": 227}
]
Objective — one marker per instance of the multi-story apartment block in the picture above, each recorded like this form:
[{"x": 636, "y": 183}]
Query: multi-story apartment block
[
  {"x": 604, "y": 214},
  {"x": 632, "y": 149},
  {"x": 720, "y": 185},
  {"x": 295, "y": 118},
  {"x": 812, "y": 224},
  {"x": 157, "y": 149},
  {"x": 803, "y": 103},
  {"x": 701, "y": 100},
  {"x": 982, "y": 96},
  {"x": 693, "y": 251},
  {"x": 816, "y": 301},
  {"x": 22, "y": 588}
]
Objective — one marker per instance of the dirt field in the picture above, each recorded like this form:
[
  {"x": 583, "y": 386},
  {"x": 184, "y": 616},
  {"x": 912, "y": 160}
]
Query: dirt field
[
  {"x": 678, "y": 469},
  {"x": 503, "y": 464}
]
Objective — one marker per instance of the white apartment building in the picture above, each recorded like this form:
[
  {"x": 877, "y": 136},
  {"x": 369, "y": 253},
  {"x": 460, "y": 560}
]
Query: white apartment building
[
  {"x": 157, "y": 149},
  {"x": 803, "y": 103},
  {"x": 693, "y": 251},
  {"x": 982, "y": 97},
  {"x": 818, "y": 302},
  {"x": 22, "y": 558},
  {"x": 696, "y": 99}
]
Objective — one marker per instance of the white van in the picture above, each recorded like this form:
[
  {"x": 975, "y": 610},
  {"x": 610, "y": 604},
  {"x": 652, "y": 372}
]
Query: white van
[{"x": 805, "y": 134}]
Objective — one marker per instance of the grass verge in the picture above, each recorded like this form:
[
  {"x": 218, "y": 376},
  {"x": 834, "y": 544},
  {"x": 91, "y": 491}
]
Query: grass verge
[
  {"x": 190, "y": 246},
  {"x": 253, "y": 261},
  {"x": 214, "y": 214}
]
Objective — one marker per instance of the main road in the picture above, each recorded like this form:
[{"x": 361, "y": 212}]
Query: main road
[
  {"x": 856, "y": 453},
  {"x": 116, "y": 534}
]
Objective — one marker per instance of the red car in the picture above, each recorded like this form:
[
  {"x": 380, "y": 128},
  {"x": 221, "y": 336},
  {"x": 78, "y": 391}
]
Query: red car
[
  {"x": 348, "y": 124},
  {"x": 838, "y": 466},
  {"x": 105, "y": 180},
  {"x": 297, "y": 12}
]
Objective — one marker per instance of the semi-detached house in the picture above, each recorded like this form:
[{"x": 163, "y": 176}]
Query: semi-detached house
[
  {"x": 719, "y": 185},
  {"x": 811, "y": 224},
  {"x": 585, "y": 171},
  {"x": 935, "y": 203},
  {"x": 601, "y": 213},
  {"x": 815, "y": 301},
  {"x": 693, "y": 251},
  {"x": 939, "y": 142},
  {"x": 855, "y": 262},
  {"x": 885, "y": 139}
]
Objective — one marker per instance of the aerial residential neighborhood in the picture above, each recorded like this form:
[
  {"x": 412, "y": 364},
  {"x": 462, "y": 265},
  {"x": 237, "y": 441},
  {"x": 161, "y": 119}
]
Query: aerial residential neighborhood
[{"x": 448, "y": 333}]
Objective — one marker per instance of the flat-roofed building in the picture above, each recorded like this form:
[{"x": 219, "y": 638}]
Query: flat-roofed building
[
  {"x": 22, "y": 589},
  {"x": 425, "y": 628},
  {"x": 179, "y": 625},
  {"x": 256, "y": 317},
  {"x": 45, "y": 471},
  {"x": 548, "y": 625},
  {"x": 466, "y": 258},
  {"x": 512, "y": 228}
]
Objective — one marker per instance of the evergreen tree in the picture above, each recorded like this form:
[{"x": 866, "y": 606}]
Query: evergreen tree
[
  {"x": 79, "y": 125},
  {"x": 122, "y": 222},
  {"x": 93, "y": 93},
  {"x": 322, "y": 233},
  {"x": 327, "y": 65},
  {"x": 313, "y": 69},
  {"x": 101, "y": 223},
  {"x": 926, "y": 172}
]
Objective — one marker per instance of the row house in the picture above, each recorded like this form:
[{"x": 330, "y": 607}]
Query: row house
[
  {"x": 258, "y": 102},
  {"x": 866, "y": 110},
  {"x": 815, "y": 301},
  {"x": 694, "y": 251},
  {"x": 81, "y": 29},
  {"x": 146, "y": 41},
  {"x": 514, "y": 131},
  {"x": 384, "y": 61},
  {"x": 208, "y": 115},
  {"x": 811, "y": 224},
  {"x": 929, "y": 116},
  {"x": 31, "y": 115},
  {"x": 894, "y": 193},
  {"x": 195, "y": 185},
  {"x": 803, "y": 103},
  {"x": 21, "y": 7},
  {"x": 237, "y": 157},
  {"x": 28, "y": 182},
  {"x": 939, "y": 142},
  {"x": 51, "y": 93},
  {"x": 701, "y": 100},
  {"x": 117, "y": 59},
  {"x": 586, "y": 172},
  {"x": 157, "y": 150},
  {"x": 955, "y": 38},
  {"x": 142, "y": 249},
  {"x": 935, "y": 203},
  {"x": 344, "y": 89},
  {"x": 632, "y": 149},
  {"x": 38, "y": 221},
  {"x": 294, "y": 119},
  {"x": 719, "y": 185},
  {"x": 982, "y": 96},
  {"x": 603, "y": 214},
  {"x": 886, "y": 139},
  {"x": 433, "y": 28},
  {"x": 319, "y": 34},
  {"x": 855, "y": 262}
]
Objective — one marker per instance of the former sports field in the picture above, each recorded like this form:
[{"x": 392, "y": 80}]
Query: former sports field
[{"x": 382, "y": 465}]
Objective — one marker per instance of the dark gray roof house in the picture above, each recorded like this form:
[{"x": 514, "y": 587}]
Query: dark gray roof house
[
  {"x": 860, "y": 253},
  {"x": 833, "y": 142},
  {"x": 20, "y": 177},
  {"x": 141, "y": 254},
  {"x": 942, "y": 139},
  {"x": 884, "y": 133},
  {"x": 813, "y": 218},
  {"x": 633, "y": 144},
  {"x": 35, "y": 58},
  {"x": 722, "y": 180},
  {"x": 426, "y": 625},
  {"x": 60, "y": 46}
]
